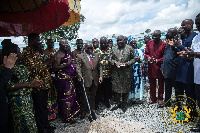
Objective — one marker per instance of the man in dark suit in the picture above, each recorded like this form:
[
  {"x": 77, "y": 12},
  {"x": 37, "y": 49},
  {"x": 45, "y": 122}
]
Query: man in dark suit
[
  {"x": 88, "y": 68},
  {"x": 5, "y": 76}
]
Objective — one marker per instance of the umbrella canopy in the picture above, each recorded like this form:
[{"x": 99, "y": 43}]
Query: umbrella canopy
[
  {"x": 75, "y": 8},
  {"x": 46, "y": 18},
  {"x": 19, "y": 6}
]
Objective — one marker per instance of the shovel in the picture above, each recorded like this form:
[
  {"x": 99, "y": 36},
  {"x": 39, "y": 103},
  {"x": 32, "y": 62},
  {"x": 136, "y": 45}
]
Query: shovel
[{"x": 92, "y": 116}]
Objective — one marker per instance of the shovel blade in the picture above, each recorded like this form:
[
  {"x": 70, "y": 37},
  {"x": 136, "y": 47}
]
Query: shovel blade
[{"x": 93, "y": 116}]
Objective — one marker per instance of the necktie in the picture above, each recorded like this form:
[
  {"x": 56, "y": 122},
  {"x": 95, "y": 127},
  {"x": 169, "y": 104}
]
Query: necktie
[{"x": 91, "y": 61}]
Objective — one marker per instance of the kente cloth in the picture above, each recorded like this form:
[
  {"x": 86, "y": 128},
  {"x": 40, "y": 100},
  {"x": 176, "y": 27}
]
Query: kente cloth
[
  {"x": 52, "y": 104},
  {"x": 35, "y": 63},
  {"x": 106, "y": 66},
  {"x": 22, "y": 119},
  {"x": 137, "y": 89},
  {"x": 67, "y": 97}
]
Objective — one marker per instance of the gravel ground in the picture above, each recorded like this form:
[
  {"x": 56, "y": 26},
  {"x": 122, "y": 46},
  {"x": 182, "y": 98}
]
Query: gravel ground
[{"x": 137, "y": 118}]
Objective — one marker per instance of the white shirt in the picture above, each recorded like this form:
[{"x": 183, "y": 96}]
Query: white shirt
[
  {"x": 196, "y": 48},
  {"x": 89, "y": 55}
]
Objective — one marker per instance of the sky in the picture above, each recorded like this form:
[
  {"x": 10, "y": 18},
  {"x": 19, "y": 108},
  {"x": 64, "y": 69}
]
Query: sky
[{"x": 131, "y": 17}]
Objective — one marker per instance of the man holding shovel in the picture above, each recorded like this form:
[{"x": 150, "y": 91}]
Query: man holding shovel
[{"x": 88, "y": 68}]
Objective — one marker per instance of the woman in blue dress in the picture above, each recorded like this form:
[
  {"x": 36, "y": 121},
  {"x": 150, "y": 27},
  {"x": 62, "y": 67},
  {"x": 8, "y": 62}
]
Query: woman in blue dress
[{"x": 137, "y": 90}]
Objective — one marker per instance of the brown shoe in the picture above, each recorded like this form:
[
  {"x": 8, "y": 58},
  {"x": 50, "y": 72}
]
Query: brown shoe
[{"x": 160, "y": 102}]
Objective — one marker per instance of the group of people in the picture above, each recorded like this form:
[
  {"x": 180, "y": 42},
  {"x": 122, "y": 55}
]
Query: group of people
[
  {"x": 39, "y": 85},
  {"x": 175, "y": 63}
]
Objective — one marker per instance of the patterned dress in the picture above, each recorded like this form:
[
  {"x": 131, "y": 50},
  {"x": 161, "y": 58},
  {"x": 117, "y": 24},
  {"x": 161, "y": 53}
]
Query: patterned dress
[
  {"x": 67, "y": 97},
  {"x": 138, "y": 84},
  {"x": 104, "y": 56},
  {"x": 122, "y": 77},
  {"x": 52, "y": 94},
  {"x": 20, "y": 102}
]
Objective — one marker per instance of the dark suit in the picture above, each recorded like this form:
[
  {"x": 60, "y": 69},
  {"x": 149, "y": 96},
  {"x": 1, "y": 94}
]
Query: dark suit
[
  {"x": 5, "y": 76},
  {"x": 90, "y": 75}
]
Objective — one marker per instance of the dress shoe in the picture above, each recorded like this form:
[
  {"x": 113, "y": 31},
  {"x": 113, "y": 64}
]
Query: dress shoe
[
  {"x": 196, "y": 129},
  {"x": 50, "y": 129},
  {"x": 46, "y": 130},
  {"x": 124, "y": 107},
  {"x": 107, "y": 104},
  {"x": 83, "y": 114},
  {"x": 96, "y": 106},
  {"x": 115, "y": 107},
  {"x": 71, "y": 121}
]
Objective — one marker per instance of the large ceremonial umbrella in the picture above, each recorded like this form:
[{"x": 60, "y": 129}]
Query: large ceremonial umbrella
[
  {"x": 75, "y": 8},
  {"x": 46, "y": 18},
  {"x": 19, "y": 6}
]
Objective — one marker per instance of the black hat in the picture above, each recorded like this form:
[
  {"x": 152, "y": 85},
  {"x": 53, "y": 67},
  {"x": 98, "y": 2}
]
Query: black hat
[
  {"x": 110, "y": 40},
  {"x": 6, "y": 41}
]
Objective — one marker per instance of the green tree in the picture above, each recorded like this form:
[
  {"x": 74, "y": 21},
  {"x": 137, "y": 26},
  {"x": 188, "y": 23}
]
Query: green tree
[
  {"x": 147, "y": 31},
  {"x": 67, "y": 32},
  {"x": 114, "y": 36}
]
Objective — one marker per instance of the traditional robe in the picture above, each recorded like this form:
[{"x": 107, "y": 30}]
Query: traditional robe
[
  {"x": 157, "y": 51},
  {"x": 122, "y": 77},
  {"x": 67, "y": 97}
]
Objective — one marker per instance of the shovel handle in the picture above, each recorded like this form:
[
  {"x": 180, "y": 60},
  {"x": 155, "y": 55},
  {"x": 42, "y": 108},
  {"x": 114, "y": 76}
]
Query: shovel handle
[{"x": 86, "y": 96}]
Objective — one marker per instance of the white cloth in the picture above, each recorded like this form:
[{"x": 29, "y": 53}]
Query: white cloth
[{"x": 196, "y": 48}]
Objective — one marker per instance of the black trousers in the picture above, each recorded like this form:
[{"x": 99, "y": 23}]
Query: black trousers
[
  {"x": 91, "y": 94},
  {"x": 124, "y": 97},
  {"x": 197, "y": 92},
  {"x": 169, "y": 83},
  {"x": 40, "y": 106},
  {"x": 104, "y": 91},
  {"x": 189, "y": 92}
]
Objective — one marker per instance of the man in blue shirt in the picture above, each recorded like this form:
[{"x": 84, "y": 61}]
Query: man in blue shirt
[{"x": 185, "y": 70}]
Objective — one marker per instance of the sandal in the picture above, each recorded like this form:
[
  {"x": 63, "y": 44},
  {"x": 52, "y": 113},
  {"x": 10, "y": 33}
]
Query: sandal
[
  {"x": 160, "y": 102},
  {"x": 151, "y": 102}
]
